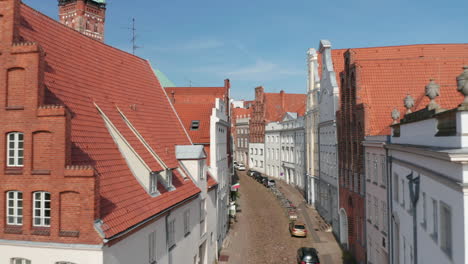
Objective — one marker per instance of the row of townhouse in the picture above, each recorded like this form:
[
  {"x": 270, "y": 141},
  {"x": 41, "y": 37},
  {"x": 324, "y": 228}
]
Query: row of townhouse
[
  {"x": 269, "y": 135},
  {"x": 362, "y": 178},
  {"x": 94, "y": 170}
]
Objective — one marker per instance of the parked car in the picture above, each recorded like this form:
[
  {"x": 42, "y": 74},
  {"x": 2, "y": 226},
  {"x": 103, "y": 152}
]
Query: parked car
[
  {"x": 241, "y": 167},
  {"x": 250, "y": 172},
  {"x": 265, "y": 181},
  {"x": 297, "y": 229},
  {"x": 257, "y": 176},
  {"x": 271, "y": 183},
  {"x": 307, "y": 256}
]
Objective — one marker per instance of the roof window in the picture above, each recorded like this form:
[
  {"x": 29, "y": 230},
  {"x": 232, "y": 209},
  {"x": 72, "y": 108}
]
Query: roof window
[{"x": 195, "y": 125}]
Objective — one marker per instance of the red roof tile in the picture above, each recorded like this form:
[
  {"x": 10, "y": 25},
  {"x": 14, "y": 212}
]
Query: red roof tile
[
  {"x": 385, "y": 75},
  {"x": 80, "y": 72},
  {"x": 211, "y": 182},
  {"x": 275, "y": 109}
]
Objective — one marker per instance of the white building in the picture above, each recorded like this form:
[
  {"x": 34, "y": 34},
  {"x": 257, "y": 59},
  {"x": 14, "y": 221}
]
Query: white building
[
  {"x": 219, "y": 166},
  {"x": 256, "y": 157},
  {"x": 327, "y": 182},
  {"x": 284, "y": 147},
  {"x": 377, "y": 228},
  {"x": 273, "y": 150},
  {"x": 311, "y": 127},
  {"x": 430, "y": 148}
]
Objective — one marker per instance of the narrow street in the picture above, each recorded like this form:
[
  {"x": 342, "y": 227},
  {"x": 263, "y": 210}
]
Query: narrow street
[{"x": 261, "y": 234}]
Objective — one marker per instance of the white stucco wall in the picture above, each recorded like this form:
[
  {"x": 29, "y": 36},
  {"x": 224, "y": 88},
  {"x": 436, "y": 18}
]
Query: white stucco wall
[
  {"x": 47, "y": 253},
  {"x": 273, "y": 151},
  {"x": 377, "y": 227},
  {"x": 257, "y": 157}
]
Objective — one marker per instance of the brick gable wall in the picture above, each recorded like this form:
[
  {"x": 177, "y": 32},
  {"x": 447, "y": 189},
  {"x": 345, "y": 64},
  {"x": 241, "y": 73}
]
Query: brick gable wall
[
  {"x": 351, "y": 126},
  {"x": 257, "y": 124},
  {"x": 47, "y": 146}
]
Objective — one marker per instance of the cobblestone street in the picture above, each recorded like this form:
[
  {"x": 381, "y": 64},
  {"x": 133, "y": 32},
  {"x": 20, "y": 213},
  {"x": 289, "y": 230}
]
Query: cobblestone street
[{"x": 261, "y": 234}]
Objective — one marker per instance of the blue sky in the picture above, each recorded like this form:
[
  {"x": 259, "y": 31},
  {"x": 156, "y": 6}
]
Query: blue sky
[{"x": 264, "y": 42}]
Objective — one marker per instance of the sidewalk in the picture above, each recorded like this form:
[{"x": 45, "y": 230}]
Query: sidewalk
[{"x": 326, "y": 244}]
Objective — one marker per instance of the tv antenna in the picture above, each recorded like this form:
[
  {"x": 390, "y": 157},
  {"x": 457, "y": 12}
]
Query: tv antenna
[{"x": 133, "y": 28}]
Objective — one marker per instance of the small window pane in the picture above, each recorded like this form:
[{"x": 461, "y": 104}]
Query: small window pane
[
  {"x": 37, "y": 195},
  {"x": 20, "y": 196},
  {"x": 12, "y": 144},
  {"x": 47, "y": 196},
  {"x": 47, "y": 221},
  {"x": 20, "y": 161},
  {"x": 11, "y": 194},
  {"x": 11, "y": 136},
  {"x": 20, "y": 136},
  {"x": 10, "y": 202},
  {"x": 37, "y": 221}
]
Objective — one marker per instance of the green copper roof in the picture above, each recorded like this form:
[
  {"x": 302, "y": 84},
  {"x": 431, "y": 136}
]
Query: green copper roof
[
  {"x": 165, "y": 82},
  {"x": 100, "y": 1}
]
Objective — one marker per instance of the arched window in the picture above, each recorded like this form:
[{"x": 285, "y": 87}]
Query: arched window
[
  {"x": 19, "y": 261},
  {"x": 14, "y": 205},
  {"x": 15, "y": 149},
  {"x": 41, "y": 209},
  {"x": 88, "y": 27}
]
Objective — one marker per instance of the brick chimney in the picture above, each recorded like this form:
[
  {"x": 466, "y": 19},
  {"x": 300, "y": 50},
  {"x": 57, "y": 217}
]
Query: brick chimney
[
  {"x": 282, "y": 100},
  {"x": 85, "y": 16}
]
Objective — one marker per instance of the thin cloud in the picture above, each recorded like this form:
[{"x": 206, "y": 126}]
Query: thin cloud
[
  {"x": 191, "y": 45},
  {"x": 261, "y": 70}
]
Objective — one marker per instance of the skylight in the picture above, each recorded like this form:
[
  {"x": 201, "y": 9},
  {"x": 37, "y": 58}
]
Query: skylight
[{"x": 195, "y": 125}]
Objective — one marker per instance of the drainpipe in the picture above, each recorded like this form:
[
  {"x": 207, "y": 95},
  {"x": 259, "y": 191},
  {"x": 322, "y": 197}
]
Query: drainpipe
[
  {"x": 413, "y": 184},
  {"x": 389, "y": 205}
]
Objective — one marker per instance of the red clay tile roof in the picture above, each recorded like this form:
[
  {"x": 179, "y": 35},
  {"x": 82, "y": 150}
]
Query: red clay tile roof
[
  {"x": 241, "y": 112},
  {"x": 211, "y": 182},
  {"x": 199, "y": 112},
  {"x": 274, "y": 111},
  {"x": 81, "y": 71},
  {"x": 195, "y": 95},
  {"x": 385, "y": 75}
]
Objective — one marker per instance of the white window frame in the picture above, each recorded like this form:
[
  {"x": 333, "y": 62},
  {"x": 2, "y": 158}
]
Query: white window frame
[
  {"x": 152, "y": 247},
  {"x": 435, "y": 220},
  {"x": 17, "y": 215},
  {"x": 171, "y": 233},
  {"x": 15, "y": 153},
  {"x": 41, "y": 209},
  {"x": 153, "y": 186},
  {"x": 187, "y": 222},
  {"x": 446, "y": 235},
  {"x": 19, "y": 261}
]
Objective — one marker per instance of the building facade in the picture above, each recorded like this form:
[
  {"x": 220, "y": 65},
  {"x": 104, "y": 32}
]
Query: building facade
[
  {"x": 428, "y": 184},
  {"x": 327, "y": 191},
  {"x": 377, "y": 216},
  {"x": 241, "y": 120},
  {"x": 85, "y": 16},
  {"x": 364, "y": 112},
  {"x": 285, "y": 150},
  {"x": 90, "y": 172},
  {"x": 310, "y": 124}
]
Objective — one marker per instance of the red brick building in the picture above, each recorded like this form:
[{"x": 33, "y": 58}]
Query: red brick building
[
  {"x": 373, "y": 83},
  {"x": 74, "y": 112},
  {"x": 270, "y": 107}
]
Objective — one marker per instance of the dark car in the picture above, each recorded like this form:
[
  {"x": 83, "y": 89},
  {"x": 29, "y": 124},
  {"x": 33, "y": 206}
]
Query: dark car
[
  {"x": 250, "y": 172},
  {"x": 257, "y": 176},
  {"x": 307, "y": 256},
  {"x": 265, "y": 181}
]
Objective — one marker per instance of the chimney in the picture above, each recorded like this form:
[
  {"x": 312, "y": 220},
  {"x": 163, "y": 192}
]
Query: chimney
[
  {"x": 84, "y": 16},
  {"x": 173, "y": 97},
  {"x": 282, "y": 99}
]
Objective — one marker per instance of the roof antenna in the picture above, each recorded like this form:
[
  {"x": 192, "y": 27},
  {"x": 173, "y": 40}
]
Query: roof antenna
[{"x": 134, "y": 46}]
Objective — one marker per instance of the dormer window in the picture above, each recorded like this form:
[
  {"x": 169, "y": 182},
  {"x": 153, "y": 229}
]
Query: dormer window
[
  {"x": 15, "y": 149},
  {"x": 153, "y": 189},
  {"x": 195, "y": 125}
]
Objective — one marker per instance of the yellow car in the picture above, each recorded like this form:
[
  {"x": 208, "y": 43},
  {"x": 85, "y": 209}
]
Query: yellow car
[{"x": 297, "y": 229}]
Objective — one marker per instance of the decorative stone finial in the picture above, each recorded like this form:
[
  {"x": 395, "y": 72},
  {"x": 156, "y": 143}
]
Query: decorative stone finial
[
  {"x": 462, "y": 84},
  {"x": 409, "y": 103},
  {"x": 395, "y": 115},
  {"x": 432, "y": 91}
]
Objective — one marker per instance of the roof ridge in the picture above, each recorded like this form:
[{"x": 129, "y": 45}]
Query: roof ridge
[
  {"x": 77, "y": 32},
  {"x": 406, "y": 45},
  {"x": 410, "y": 58}
]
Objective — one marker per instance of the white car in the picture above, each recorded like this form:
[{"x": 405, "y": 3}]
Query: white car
[{"x": 241, "y": 167}]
